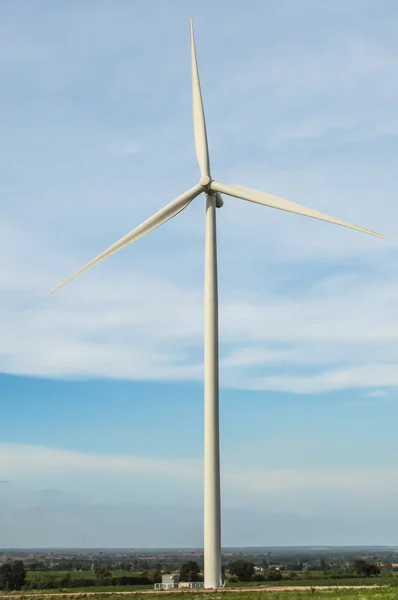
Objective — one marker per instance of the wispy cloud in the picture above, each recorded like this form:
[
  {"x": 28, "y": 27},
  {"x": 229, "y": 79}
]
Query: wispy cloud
[
  {"x": 106, "y": 488},
  {"x": 334, "y": 330},
  {"x": 50, "y": 459},
  {"x": 358, "y": 376},
  {"x": 136, "y": 525},
  {"x": 95, "y": 142},
  {"x": 377, "y": 394},
  {"x": 74, "y": 467}
]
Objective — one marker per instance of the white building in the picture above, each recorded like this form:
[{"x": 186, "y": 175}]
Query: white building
[{"x": 171, "y": 581}]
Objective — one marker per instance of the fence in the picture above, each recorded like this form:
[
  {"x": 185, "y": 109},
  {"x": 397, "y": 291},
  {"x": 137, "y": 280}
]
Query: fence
[{"x": 182, "y": 584}]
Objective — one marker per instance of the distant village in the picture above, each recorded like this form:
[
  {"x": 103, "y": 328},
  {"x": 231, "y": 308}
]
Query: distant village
[{"x": 139, "y": 560}]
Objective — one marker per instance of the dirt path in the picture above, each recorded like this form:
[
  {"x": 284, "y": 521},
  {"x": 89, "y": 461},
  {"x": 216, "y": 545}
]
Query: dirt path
[{"x": 234, "y": 590}]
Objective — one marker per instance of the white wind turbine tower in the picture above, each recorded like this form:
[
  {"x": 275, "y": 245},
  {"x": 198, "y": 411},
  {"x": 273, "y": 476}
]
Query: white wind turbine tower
[{"x": 212, "y": 190}]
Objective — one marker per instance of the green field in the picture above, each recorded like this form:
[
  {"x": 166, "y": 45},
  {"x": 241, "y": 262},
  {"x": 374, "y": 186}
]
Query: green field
[
  {"x": 47, "y": 579},
  {"x": 76, "y": 574},
  {"x": 51, "y": 582},
  {"x": 377, "y": 581},
  {"x": 359, "y": 594},
  {"x": 109, "y": 589}
]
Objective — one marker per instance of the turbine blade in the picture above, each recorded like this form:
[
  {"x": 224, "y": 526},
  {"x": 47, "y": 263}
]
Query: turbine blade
[
  {"x": 245, "y": 193},
  {"x": 163, "y": 215},
  {"x": 199, "y": 123}
]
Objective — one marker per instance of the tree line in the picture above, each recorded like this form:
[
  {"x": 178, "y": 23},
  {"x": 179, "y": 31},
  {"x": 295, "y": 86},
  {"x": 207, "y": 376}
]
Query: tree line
[
  {"x": 13, "y": 575},
  {"x": 245, "y": 571}
]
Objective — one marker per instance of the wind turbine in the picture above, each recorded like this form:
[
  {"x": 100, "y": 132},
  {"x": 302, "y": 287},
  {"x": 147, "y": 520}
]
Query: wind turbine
[{"x": 212, "y": 190}]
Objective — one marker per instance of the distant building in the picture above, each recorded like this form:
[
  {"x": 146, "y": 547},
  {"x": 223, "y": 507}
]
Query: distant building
[{"x": 172, "y": 581}]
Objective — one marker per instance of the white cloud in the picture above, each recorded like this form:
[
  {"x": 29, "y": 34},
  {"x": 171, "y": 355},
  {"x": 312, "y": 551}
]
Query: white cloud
[
  {"x": 348, "y": 480},
  {"x": 91, "y": 154},
  {"x": 359, "y": 376},
  {"x": 51, "y": 460},
  {"x": 58, "y": 497},
  {"x": 133, "y": 326},
  {"x": 242, "y": 357},
  {"x": 41, "y": 466},
  {"x": 377, "y": 394},
  {"x": 139, "y": 526}
]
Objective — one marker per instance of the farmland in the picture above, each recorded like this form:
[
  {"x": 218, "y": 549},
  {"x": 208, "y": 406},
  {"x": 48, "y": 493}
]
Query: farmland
[
  {"x": 384, "y": 593},
  {"x": 108, "y": 573},
  {"x": 75, "y": 584}
]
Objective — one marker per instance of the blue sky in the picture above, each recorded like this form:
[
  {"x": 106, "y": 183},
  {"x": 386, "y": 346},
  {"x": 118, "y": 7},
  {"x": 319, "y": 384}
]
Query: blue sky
[{"x": 101, "y": 385}]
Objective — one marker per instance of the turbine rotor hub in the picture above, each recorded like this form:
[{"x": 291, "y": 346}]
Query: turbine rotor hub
[{"x": 205, "y": 182}]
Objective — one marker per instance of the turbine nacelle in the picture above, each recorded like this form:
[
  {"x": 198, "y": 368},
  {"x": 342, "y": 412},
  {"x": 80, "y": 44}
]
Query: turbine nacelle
[{"x": 219, "y": 200}]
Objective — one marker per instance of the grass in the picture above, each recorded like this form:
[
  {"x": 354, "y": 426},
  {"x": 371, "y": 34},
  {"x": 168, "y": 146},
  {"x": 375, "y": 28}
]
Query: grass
[
  {"x": 359, "y": 594},
  {"x": 390, "y": 591},
  {"x": 322, "y": 581},
  {"x": 106, "y": 589},
  {"x": 76, "y": 574}
]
